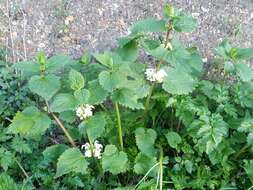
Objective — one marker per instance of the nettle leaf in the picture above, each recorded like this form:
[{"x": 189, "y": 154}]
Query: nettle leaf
[
  {"x": 145, "y": 140},
  {"x": 58, "y": 62},
  {"x": 72, "y": 160},
  {"x": 244, "y": 71},
  {"x": 248, "y": 167},
  {"x": 53, "y": 152},
  {"x": 45, "y": 86},
  {"x": 94, "y": 126},
  {"x": 127, "y": 98},
  {"x": 105, "y": 59},
  {"x": 7, "y": 183},
  {"x": 144, "y": 163},
  {"x": 6, "y": 158},
  {"x": 129, "y": 52},
  {"x": 244, "y": 53},
  {"x": 20, "y": 145},
  {"x": 28, "y": 67},
  {"x": 184, "y": 23},
  {"x": 113, "y": 160},
  {"x": 111, "y": 80},
  {"x": 149, "y": 25},
  {"x": 97, "y": 94},
  {"x": 212, "y": 133},
  {"x": 245, "y": 94},
  {"x": 173, "y": 139},
  {"x": 30, "y": 123},
  {"x": 76, "y": 80},
  {"x": 63, "y": 102},
  {"x": 82, "y": 96},
  {"x": 178, "y": 82}
]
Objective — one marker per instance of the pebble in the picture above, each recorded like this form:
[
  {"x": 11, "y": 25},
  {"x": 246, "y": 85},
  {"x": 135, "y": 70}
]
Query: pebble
[{"x": 205, "y": 10}]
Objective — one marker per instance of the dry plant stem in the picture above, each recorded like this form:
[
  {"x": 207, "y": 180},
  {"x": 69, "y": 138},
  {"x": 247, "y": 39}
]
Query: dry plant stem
[
  {"x": 70, "y": 139},
  {"x": 119, "y": 126},
  {"x": 23, "y": 170},
  {"x": 24, "y": 34},
  {"x": 10, "y": 31}
]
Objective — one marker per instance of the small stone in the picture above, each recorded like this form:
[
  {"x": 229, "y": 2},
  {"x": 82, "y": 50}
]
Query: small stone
[
  {"x": 195, "y": 15},
  {"x": 68, "y": 20},
  {"x": 205, "y": 10},
  {"x": 204, "y": 60}
]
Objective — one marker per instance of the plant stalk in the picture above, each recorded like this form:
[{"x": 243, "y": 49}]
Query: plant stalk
[
  {"x": 148, "y": 99},
  {"x": 119, "y": 126},
  {"x": 161, "y": 170},
  {"x": 70, "y": 139}
]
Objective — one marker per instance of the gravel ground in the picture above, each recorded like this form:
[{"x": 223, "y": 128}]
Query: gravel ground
[{"x": 75, "y": 26}]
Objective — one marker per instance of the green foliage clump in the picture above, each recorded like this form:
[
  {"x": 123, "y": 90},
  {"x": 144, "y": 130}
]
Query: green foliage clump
[{"x": 108, "y": 121}]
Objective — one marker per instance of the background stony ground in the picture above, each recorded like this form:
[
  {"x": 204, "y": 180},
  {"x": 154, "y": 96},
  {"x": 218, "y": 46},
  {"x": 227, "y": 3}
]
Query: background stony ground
[{"x": 75, "y": 26}]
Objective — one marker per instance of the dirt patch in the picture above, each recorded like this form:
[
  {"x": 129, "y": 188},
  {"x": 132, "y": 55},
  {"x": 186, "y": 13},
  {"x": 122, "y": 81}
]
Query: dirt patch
[{"x": 74, "y": 26}]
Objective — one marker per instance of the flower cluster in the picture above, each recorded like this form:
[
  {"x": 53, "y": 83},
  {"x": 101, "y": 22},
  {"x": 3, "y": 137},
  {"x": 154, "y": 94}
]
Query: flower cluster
[
  {"x": 155, "y": 76},
  {"x": 84, "y": 111},
  {"x": 94, "y": 150}
]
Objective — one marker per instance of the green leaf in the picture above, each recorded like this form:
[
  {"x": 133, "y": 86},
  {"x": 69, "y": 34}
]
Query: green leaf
[
  {"x": 27, "y": 67},
  {"x": 63, "y": 102},
  {"x": 94, "y": 126},
  {"x": 105, "y": 59},
  {"x": 145, "y": 140},
  {"x": 178, "y": 82},
  {"x": 76, "y": 80},
  {"x": 97, "y": 94},
  {"x": 245, "y": 94},
  {"x": 244, "y": 53},
  {"x": 72, "y": 160},
  {"x": 45, "y": 86},
  {"x": 248, "y": 167},
  {"x": 53, "y": 152},
  {"x": 111, "y": 80},
  {"x": 144, "y": 163},
  {"x": 127, "y": 98},
  {"x": 129, "y": 52},
  {"x": 6, "y": 159},
  {"x": 20, "y": 145},
  {"x": 113, "y": 160},
  {"x": 30, "y": 123},
  {"x": 82, "y": 96},
  {"x": 184, "y": 23},
  {"x": 149, "y": 25},
  {"x": 173, "y": 139},
  {"x": 188, "y": 166},
  {"x": 244, "y": 71},
  {"x": 58, "y": 62},
  {"x": 7, "y": 183}
]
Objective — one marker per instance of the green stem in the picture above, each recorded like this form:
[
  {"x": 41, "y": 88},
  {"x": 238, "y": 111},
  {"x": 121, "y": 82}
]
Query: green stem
[
  {"x": 161, "y": 169},
  {"x": 119, "y": 126},
  {"x": 23, "y": 170},
  {"x": 243, "y": 149},
  {"x": 148, "y": 99},
  {"x": 91, "y": 146}
]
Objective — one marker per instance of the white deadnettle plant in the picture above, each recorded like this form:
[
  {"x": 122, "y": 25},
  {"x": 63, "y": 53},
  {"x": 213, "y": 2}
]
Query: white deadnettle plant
[
  {"x": 84, "y": 111},
  {"x": 94, "y": 150},
  {"x": 155, "y": 76}
]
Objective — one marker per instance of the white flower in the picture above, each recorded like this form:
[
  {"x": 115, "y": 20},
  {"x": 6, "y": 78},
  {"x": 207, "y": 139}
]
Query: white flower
[
  {"x": 150, "y": 74},
  {"x": 160, "y": 75},
  {"x": 97, "y": 148},
  {"x": 84, "y": 111},
  {"x": 154, "y": 75}
]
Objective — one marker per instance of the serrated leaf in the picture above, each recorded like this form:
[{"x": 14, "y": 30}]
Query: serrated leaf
[
  {"x": 111, "y": 80},
  {"x": 129, "y": 52},
  {"x": 149, "y": 25},
  {"x": 6, "y": 159},
  {"x": 20, "y": 146},
  {"x": 82, "y": 96},
  {"x": 94, "y": 126},
  {"x": 173, "y": 139},
  {"x": 63, "y": 102},
  {"x": 144, "y": 163},
  {"x": 178, "y": 82},
  {"x": 113, "y": 160},
  {"x": 30, "y": 123},
  {"x": 28, "y": 67},
  {"x": 244, "y": 53},
  {"x": 76, "y": 80},
  {"x": 53, "y": 152},
  {"x": 72, "y": 160},
  {"x": 105, "y": 59},
  {"x": 126, "y": 98},
  {"x": 184, "y": 23},
  {"x": 58, "y": 62},
  {"x": 45, "y": 86},
  {"x": 145, "y": 140},
  {"x": 7, "y": 183},
  {"x": 97, "y": 94},
  {"x": 248, "y": 167},
  {"x": 244, "y": 72}
]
